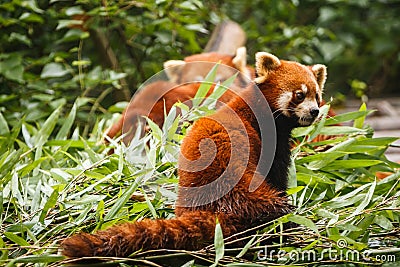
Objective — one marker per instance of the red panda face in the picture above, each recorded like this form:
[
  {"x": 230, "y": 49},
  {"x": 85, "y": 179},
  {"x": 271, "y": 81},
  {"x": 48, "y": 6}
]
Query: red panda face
[{"x": 291, "y": 89}]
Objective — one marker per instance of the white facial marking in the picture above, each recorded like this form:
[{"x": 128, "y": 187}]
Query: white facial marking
[
  {"x": 304, "y": 88},
  {"x": 316, "y": 85},
  {"x": 283, "y": 102}
]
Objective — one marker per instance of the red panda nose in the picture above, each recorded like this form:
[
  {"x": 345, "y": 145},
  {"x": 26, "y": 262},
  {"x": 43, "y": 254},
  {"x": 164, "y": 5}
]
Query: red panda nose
[{"x": 314, "y": 112}]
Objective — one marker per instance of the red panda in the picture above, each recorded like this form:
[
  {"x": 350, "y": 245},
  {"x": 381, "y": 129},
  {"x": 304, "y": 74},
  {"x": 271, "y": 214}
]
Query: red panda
[{"x": 233, "y": 137}]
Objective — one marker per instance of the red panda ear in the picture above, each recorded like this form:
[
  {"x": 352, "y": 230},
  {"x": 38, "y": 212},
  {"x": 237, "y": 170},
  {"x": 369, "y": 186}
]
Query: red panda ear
[
  {"x": 173, "y": 69},
  {"x": 240, "y": 59},
  {"x": 320, "y": 73},
  {"x": 265, "y": 63}
]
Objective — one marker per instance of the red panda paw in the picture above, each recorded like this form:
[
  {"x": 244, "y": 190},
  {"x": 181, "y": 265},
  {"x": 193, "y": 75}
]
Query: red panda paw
[{"x": 82, "y": 245}]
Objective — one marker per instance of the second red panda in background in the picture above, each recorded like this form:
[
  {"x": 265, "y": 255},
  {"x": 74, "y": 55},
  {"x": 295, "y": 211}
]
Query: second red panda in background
[{"x": 184, "y": 77}]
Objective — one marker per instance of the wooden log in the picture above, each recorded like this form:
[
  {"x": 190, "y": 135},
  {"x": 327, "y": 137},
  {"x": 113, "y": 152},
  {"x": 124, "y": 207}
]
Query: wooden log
[
  {"x": 226, "y": 38},
  {"x": 384, "y": 123},
  {"x": 384, "y": 107}
]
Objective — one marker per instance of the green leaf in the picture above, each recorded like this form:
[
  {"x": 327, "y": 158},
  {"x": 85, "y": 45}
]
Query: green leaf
[
  {"x": 11, "y": 67},
  {"x": 66, "y": 127},
  {"x": 347, "y": 117},
  {"x": 48, "y": 126},
  {"x": 32, "y": 5},
  {"x": 67, "y": 23},
  {"x": 246, "y": 247},
  {"x": 347, "y": 199},
  {"x": 359, "y": 122},
  {"x": 122, "y": 200},
  {"x": 205, "y": 86},
  {"x": 294, "y": 190},
  {"x": 377, "y": 141},
  {"x": 31, "y": 18},
  {"x": 218, "y": 243},
  {"x": 366, "y": 200},
  {"x": 150, "y": 205},
  {"x": 220, "y": 89},
  {"x": 323, "y": 111},
  {"x": 333, "y": 218},
  {"x": 21, "y": 38},
  {"x": 365, "y": 222},
  {"x": 303, "y": 221},
  {"x": 8, "y": 162},
  {"x": 17, "y": 239},
  {"x": 383, "y": 222},
  {"x": 244, "y": 265},
  {"x": 351, "y": 164},
  {"x": 87, "y": 199},
  {"x": 312, "y": 179},
  {"x": 155, "y": 129},
  {"x": 337, "y": 130},
  {"x": 69, "y": 143},
  {"x": 196, "y": 27},
  {"x": 74, "y": 10},
  {"x": 53, "y": 70},
  {"x": 73, "y": 35},
  {"x": 319, "y": 161},
  {"x": 51, "y": 202},
  {"x": 302, "y": 131},
  {"x": 3, "y": 125}
]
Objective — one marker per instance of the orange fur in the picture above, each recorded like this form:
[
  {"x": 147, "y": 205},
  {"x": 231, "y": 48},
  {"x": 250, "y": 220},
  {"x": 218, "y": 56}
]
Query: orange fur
[{"x": 235, "y": 134}]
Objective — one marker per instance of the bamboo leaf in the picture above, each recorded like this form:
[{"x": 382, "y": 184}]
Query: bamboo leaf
[
  {"x": 323, "y": 111},
  {"x": 218, "y": 244},
  {"x": 359, "y": 122},
  {"x": 366, "y": 200},
  {"x": 51, "y": 202},
  {"x": 47, "y": 128},
  {"x": 351, "y": 164},
  {"x": 340, "y": 118},
  {"x": 303, "y": 221},
  {"x": 246, "y": 247},
  {"x": 150, "y": 205},
  {"x": 363, "y": 225},
  {"x": 338, "y": 130},
  {"x": 66, "y": 127},
  {"x": 383, "y": 222},
  {"x": 3, "y": 125},
  {"x": 333, "y": 218},
  {"x": 16, "y": 239},
  {"x": 205, "y": 86},
  {"x": 121, "y": 201}
]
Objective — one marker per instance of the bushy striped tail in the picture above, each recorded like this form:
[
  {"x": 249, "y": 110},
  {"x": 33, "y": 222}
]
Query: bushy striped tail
[{"x": 191, "y": 231}]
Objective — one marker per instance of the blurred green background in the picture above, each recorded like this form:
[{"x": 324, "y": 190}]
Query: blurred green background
[{"x": 54, "y": 51}]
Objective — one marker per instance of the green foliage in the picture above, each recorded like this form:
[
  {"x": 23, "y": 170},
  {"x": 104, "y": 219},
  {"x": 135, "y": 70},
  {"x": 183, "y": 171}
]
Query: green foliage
[{"x": 55, "y": 51}]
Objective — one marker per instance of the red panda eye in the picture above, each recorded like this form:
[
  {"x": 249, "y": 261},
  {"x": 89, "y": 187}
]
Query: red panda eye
[
  {"x": 317, "y": 99},
  {"x": 300, "y": 96}
]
